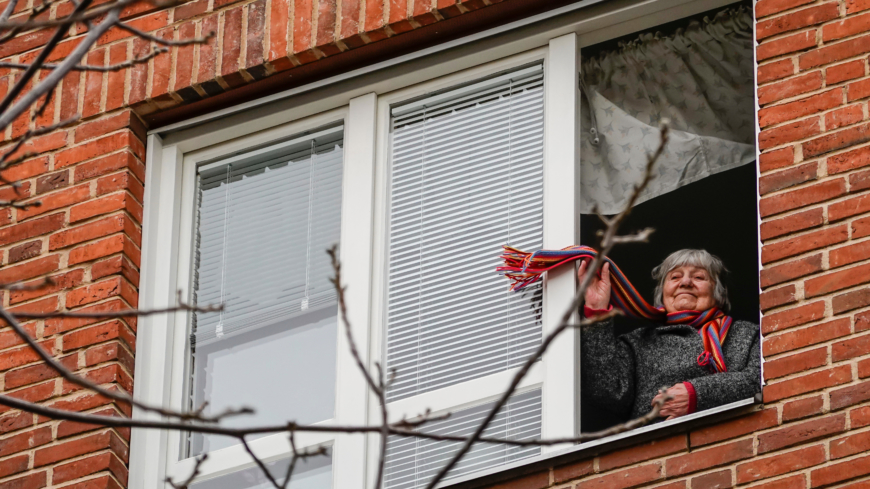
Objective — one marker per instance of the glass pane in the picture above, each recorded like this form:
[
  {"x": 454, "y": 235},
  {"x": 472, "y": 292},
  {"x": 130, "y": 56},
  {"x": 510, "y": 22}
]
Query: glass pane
[
  {"x": 265, "y": 220},
  {"x": 310, "y": 473}
]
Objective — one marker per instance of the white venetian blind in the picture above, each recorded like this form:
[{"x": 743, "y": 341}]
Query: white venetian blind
[
  {"x": 411, "y": 462},
  {"x": 265, "y": 220},
  {"x": 467, "y": 178}
]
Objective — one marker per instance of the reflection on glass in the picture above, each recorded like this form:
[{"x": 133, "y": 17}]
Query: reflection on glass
[
  {"x": 285, "y": 371},
  {"x": 309, "y": 473}
]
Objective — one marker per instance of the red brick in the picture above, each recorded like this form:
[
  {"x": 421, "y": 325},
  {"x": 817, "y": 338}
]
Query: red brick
[
  {"x": 24, "y": 441},
  {"x": 255, "y": 32},
  {"x": 763, "y": 8},
  {"x": 777, "y": 297},
  {"x": 49, "y": 304},
  {"x": 791, "y": 270},
  {"x": 38, "y": 373},
  {"x": 845, "y": 71},
  {"x": 59, "y": 325},
  {"x": 796, "y": 222},
  {"x": 814, "y": 240},
  {"x": 708, "y": 458},
  {"x": 831, "y": 282},
  {"x": 105, "y": 205},
  {"x": 850, "y": 300},
  {"x": 805, "y": 337},
  {"x": 713, "y": 480},
  {"x": 802, "y": 408},
  {"x": 853, "y": 6},
  {"x": 864, "y": 369},
  {"x": 56, "y": 200},
  {"x": 850, "y": 445},
  {"x": 30, "y": 481},
  {"x": 774, "y": 71},
  {"x": 93, "y": 335},
  {"x": 844, "y": 117},
  {"x": 788, "y": 178},
  {"x": 66, "y": 429},
  {"x": 785, "y": 45},
  {"x": 859, "y": 181},
  {"x": 797, "y": 433},
  {"x": 94, "y": 84},
  {"x": 102, "y": 166},
  {"x": 859, "y": 89},
  {"x": 101, "y": 127},
  {"x": 734, "y": 428},
  {"x": 625, "y": 478},
  {"x": 94, "y": 292},
  {"x": 94, "y": 148},
  {"x": 802, "y": 197},
  {"x": 834, "y": 52},
  {"x": 26, "y": 169},
  {"x": 859, "y": 417},
  {"x": 53, "y": 181},
  {"x": 847, "y": 255},
  {"x": 207, "y": 67},
  {"x": 90, "y": 465},
  {"x": 41, "y": 288},
  {"x": 105, "y": 247},
  {"x": 29, "y": 229},
  {"x": 572, "y": 471},
  {"x": 147, "y": 23},
  {"x": 801, "y": 18},
  {"x": 849, "y": 160},
  {"x": 80, "y": 446},
  {"x": 849, "y": 396},
  {"x": 33, "y": 268},
  {"x": 87, "y": 232},
  {"x": 109, "y": 352},
  {"x": 794, "y": 482},
  {"x": 642, "y": 453},
  {"x": 807, "y": 383},
  {"x": 838, "y": 140},
  {"x": 773, "y": 160},
  {"x": 25, "y": 251},
  {"x": 14, "y": 422},
  {"x": 846, "y": 27},
  {"x": 840, "y": 472},
  {"x": 116, "y": 79},
  {"x": 792, "y": 317},
  {"x": 121, "y": 181},
  {"x": 780, "y": 464},
  {"x": 788, "y": 133},
  {"x": 798, "y": 362},
  {"x": 672, "y": 485},
  {"x": 232, "y": 41},
  {"x": 191, "y": 9},
  {"x": 860, "y": 227},
  {"x": 800, "y": 108}
]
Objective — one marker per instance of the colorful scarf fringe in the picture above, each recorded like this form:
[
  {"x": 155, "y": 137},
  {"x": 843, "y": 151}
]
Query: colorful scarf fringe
[{"x": 524, "y": 269}]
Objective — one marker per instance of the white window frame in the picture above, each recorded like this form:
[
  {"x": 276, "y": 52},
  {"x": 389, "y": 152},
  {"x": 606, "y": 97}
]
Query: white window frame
[{"x": 363, "y": 108}]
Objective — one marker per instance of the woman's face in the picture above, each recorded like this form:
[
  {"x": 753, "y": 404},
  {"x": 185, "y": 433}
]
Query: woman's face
[{"x": 688, "y": 288}]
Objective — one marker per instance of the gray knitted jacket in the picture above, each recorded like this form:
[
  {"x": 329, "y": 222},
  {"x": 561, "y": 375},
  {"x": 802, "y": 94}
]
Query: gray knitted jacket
[{"x": 624, "y": 373}]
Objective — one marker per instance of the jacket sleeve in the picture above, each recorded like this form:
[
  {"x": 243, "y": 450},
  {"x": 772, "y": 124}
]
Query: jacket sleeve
[
  {"x": 733, "y": 385},
  {"x": 607, "y": 368}
]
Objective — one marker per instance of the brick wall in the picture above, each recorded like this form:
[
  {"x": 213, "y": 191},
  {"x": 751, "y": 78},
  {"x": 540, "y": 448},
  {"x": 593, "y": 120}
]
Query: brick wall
[{"x": 815, "y": 184}]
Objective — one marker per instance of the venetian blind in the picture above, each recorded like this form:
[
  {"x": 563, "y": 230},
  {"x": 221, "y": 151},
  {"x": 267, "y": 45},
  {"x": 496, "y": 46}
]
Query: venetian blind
[
  {"x": 411, "y": 462},
  {"x": 264, "y": 222},
  {"x": 467, "y": 178}
]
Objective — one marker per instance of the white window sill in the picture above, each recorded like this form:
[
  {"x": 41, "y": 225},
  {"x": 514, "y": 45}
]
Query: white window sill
[{"x": 593, "y": 448}]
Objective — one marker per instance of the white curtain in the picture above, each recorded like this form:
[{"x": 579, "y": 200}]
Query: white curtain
[{"x": 698, "y": 78}]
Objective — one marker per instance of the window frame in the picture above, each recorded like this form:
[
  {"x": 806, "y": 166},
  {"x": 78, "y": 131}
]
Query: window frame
[{"x": 363, "y": 107}]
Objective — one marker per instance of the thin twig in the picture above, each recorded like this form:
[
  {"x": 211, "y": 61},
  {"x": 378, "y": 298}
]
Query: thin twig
[
  {"x": 103, "y": 69},
  {"x": 193, "y": 475}
]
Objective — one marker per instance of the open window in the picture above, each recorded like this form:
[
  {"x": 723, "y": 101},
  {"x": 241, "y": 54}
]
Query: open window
[{"x": 697, "y": 73}]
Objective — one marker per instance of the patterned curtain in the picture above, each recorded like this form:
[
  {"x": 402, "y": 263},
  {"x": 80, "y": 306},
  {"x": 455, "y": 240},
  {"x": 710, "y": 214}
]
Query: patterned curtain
[{"x": 699, "y": 79}]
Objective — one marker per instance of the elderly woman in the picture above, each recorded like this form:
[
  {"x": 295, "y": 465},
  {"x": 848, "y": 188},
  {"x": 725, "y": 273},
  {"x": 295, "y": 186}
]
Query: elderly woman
[{"x": 624, "y": 373}]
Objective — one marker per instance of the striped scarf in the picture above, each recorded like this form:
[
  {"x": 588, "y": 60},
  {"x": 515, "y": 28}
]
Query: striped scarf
[{"x": 524, "y": 269}]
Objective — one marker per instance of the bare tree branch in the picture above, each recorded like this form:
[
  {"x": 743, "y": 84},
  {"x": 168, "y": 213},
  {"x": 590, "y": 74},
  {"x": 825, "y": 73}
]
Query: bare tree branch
[{"x": 193, "y": 475}]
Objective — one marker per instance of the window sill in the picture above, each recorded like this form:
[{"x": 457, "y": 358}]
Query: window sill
[{"x": 593, "y": 448}]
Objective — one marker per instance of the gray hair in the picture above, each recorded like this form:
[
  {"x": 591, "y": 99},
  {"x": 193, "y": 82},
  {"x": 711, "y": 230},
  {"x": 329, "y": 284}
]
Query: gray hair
[{"x": 695, "y": 258}]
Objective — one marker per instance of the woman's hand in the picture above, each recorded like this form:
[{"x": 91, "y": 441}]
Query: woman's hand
[
  {"x": 677, "y": 406},
  {"x": 598, "y": 292}
]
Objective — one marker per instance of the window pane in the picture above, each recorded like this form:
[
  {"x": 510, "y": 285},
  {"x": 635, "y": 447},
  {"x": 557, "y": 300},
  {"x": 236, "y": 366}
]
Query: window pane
[
  {"x": 264, "y": 222},
  {"x": 310, "y": 473},
  {"x": 467, "y": 178},
  {"x": 413, "y": 462}
]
